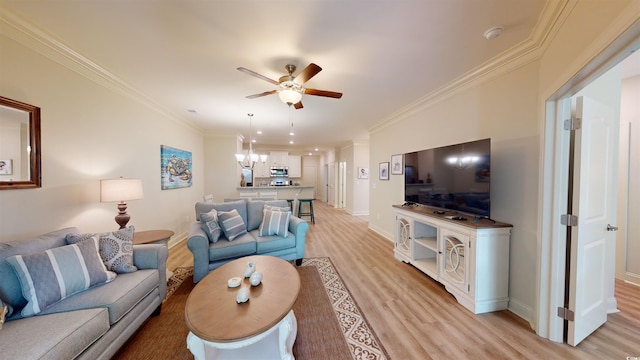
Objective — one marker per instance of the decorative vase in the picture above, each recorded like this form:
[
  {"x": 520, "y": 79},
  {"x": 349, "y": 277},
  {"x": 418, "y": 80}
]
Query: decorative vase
[
  {"x": 250, "y": 269},
  {"x": 255, "y": 278},
  {"x": 243, "y": 294}
]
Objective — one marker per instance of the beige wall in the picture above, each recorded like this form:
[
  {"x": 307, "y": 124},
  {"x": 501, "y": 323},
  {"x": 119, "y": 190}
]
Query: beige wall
[
  {"x": 91, "y": 132},
  {"x": 508, "y": 109}
]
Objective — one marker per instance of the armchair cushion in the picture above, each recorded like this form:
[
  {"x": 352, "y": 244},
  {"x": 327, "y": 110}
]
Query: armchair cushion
[{"x": 55, "y": 274}]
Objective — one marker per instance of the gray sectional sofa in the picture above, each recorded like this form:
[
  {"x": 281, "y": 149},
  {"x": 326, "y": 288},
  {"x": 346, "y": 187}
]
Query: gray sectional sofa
[
  {"x": 208, "y": 255},
  {"x": 91, "y": 324}
]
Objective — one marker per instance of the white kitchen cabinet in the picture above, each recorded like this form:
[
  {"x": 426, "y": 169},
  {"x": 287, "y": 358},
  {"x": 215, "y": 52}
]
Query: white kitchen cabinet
[
  {"x": 261, "y": 170},
  {"x": 279, "y": 158},
  {"x": 471, "y": 259},
  {"x": 295, "y": 166}
]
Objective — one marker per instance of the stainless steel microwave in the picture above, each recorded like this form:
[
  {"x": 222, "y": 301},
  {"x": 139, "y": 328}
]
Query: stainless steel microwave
[{"x": 279, "y": 171}]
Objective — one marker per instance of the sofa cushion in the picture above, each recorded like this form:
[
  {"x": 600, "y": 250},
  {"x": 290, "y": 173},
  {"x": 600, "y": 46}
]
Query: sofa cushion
[
  {"x": 242, "y": 246},
  {"x": 57, "y": 273},
  {"x": 266, "y": 244},
  {"x": 232, "y": 224},
  {"x": 118, "y": 296},
  {"x": 56, "y": 336},
  {"x": 116, "y": 248},
  {"x": 240, "y": 206},
  {"x": 255, "y": 208},
  {"x": 10, "y": 290},
  {"x": 274, "y": 222},
  {"x": 209, "y": 223}
]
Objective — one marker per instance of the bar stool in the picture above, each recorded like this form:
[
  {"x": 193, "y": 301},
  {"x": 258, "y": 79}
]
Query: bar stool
[{"x": 310, "y": 211}]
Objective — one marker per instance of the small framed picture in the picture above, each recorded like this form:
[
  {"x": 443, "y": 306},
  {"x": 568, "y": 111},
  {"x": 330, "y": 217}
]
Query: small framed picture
[
  {"x": 397, "y": 164},
  {"x": 6, "y": 167},
  {"x": 383, "y": 173},
  {"x": 363, "y": 173}
]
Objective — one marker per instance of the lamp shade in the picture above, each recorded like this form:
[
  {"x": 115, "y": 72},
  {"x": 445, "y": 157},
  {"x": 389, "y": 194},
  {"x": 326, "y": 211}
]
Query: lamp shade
[
  {"x": 120, "y": 190},
  {"x": 290, "y": 96}
]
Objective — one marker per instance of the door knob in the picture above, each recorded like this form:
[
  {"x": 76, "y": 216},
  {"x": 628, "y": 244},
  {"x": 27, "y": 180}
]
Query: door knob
[{"x": 611, "y": 228}]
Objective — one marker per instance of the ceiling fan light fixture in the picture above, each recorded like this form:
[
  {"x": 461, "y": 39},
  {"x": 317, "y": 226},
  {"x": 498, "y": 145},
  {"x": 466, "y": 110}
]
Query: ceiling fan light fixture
[{"x": 290, "y": 96}]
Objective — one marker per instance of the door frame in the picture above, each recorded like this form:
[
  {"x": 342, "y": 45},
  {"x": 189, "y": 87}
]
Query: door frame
[{"x": 554, "y": 183}]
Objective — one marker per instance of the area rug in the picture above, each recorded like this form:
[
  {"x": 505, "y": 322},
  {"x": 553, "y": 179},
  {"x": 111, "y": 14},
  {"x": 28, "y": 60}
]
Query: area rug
[{"x": 330, "y": 324}]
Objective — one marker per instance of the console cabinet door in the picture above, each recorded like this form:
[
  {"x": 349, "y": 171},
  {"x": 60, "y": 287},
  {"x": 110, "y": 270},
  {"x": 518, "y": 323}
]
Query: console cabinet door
[
  {"x": 402, "y": 246},
  {"x": 455, "y": 253}
]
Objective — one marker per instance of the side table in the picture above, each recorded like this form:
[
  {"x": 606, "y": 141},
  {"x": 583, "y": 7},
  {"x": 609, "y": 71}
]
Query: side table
[{"x": 154, "y": 237}]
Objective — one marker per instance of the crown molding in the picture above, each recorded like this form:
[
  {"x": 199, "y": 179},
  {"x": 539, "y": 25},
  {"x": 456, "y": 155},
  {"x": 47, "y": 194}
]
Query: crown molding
[
  {"x": 31, "y": 36},
  {"x": 526, "y": 52}
]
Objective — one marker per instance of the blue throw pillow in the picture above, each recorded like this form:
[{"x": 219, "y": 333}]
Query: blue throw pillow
[
  {"x": 50, "y": 276},
  {"x": 209, "y": 223},
  {"x": 274, "y": 222},
  {"x": 231, "y": 224},
  {"x": 116, "y": 248}
]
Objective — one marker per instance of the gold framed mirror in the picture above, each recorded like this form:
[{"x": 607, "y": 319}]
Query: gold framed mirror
[{"x": 19, "y": 145}]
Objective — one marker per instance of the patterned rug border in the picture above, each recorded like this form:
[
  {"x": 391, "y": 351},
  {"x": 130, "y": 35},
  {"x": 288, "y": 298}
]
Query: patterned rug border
[{"x": 362, "y": 341}]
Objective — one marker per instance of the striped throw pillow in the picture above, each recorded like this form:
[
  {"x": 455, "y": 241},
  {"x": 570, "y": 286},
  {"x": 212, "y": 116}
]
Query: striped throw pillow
[
  {"x": 50, "y": 276},
  {"x": 274, "y": 222},
  {"x": 232, "y": 224}
]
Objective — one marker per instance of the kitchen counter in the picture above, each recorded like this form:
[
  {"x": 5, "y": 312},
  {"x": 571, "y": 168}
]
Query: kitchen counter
[{"x": 284, "y": 192}]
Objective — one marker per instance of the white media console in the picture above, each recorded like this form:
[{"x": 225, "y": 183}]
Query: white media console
[{"x": 469, "y": 256}]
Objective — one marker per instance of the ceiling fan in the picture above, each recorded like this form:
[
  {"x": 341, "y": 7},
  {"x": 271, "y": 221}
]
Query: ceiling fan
[{"x": 291, "y": 88}]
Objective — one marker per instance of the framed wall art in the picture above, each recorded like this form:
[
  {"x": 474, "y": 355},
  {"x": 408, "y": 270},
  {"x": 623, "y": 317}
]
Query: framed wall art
[
  {"x": 383, "y": 171},
  {"x": 175, "y": 168},
  {"x": 363, "y": 173},
  {"x": 397, "y": 164},
  {"x": 6, "y": 167}
]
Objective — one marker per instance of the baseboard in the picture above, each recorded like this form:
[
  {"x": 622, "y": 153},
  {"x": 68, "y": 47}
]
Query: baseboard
[
  {"x": 381, "y": 232},
  {"x": 521, "y": 310}
]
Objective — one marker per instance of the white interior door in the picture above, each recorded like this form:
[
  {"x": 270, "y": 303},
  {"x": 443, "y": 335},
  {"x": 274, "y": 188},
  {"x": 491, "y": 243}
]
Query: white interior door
[{"x": 594, "y": 202}]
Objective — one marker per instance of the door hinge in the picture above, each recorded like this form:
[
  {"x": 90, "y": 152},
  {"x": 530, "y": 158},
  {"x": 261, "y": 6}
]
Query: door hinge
[
  {"x": 569, "y": 220},
  {"x": 566, "y": 314},
  {"x": 468, "y": 287},
  {"x": 573, "y": 124}
]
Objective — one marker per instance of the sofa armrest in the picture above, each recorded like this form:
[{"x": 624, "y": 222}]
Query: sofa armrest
[
  {"x": 153, "y": 256},
  {"x": 299, "y": 228},
  {"x": 198, "y": 243}
]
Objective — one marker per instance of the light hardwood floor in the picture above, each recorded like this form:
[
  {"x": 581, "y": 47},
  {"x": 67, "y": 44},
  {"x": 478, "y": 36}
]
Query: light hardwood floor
[{"x": 416, "y": 318}]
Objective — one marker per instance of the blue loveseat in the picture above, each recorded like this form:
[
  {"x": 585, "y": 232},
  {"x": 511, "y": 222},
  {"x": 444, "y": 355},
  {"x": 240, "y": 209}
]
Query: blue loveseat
[
  {"x": 208, "y": 255},
  {"x": 91, "y": 324}
]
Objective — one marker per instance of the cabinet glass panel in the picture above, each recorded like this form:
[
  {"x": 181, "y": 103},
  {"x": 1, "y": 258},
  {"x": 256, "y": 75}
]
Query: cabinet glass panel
[{"x": 454, "y": 260}]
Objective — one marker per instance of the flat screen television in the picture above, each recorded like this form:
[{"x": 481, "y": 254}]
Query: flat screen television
[{"x": 454, "y": 178}]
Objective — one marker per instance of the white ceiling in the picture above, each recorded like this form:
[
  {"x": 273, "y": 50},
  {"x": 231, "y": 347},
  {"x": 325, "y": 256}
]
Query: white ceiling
[{"x": 383, "y": 55}]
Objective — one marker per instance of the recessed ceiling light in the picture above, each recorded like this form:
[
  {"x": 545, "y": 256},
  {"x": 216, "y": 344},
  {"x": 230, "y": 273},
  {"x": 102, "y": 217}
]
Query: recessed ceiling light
[
  {"x": 292, "y": 133},
  {"x": 259, "y": 132},
  {"x": 310, "y": 154},
  {"x": 316, "y": 149},
  {"x": 253, "y": 141},
  {"x": 291, "y": 142}
]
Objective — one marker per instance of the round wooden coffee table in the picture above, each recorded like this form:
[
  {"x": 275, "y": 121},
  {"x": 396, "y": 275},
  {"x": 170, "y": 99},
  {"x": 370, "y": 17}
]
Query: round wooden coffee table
[{"x": 221, "y": 328}]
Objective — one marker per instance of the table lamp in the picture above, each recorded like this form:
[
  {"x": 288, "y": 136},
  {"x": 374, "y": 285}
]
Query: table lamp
[{"x": 121, "y": 190}]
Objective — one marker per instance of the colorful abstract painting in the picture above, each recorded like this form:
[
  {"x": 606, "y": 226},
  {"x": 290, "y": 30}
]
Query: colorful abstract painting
[{"x": 175, "y": 168}]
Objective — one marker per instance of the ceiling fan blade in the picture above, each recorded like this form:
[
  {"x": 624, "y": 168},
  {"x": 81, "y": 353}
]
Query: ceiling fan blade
[
  {"x": 306, "y": 74},
  {"x": 261, "y": 94},
  {"x": 253, "y": 73},
  {"x": 298, "y": 105},
  {"x": 325, "y": 93}
]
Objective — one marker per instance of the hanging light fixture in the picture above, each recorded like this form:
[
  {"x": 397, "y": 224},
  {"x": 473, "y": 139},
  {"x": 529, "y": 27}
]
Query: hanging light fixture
[
  {"x": 290, "y": 96},
  {"x": 249, "y": 160}
]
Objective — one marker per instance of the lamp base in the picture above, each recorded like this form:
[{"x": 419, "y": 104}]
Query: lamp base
[{"x": 122, "y": 218}]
